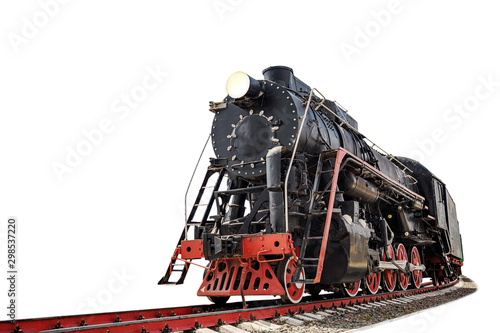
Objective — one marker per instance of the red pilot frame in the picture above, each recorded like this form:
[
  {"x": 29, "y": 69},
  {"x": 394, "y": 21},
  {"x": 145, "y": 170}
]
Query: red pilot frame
[{"x": 265, "y": 263}]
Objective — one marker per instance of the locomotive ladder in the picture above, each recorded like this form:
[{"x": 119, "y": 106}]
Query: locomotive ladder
[
  {"x": 316, "y": 262},
  {"x": 177, "y": 264},
  {"x": 449, "y": 270}
]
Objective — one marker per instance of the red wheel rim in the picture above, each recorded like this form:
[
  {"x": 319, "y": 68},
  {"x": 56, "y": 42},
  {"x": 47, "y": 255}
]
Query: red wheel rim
[
  {"x": 351, "y": 289},
  {"x": 389, "y": 274},
  {"x": 416, "y": 275},
  {"x": 294, "y": 291},
  {"x": 372, "y": 283},
  {"x": 401, "y": 255}
]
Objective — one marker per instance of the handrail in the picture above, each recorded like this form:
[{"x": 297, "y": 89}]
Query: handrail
[
  {"x": 296, "y": 144},
  {"x": 187, "y": 189},
  {"x": 343, "y": 122},
  {"x": 373, "y": 144}
]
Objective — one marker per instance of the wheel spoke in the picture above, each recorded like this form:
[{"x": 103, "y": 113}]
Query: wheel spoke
[
  {"x": 416, "y": 275},
  {"x": 372, "y": 283},
  {"x": 403, "y": 278},
  {"x": 389, "y": 276}
]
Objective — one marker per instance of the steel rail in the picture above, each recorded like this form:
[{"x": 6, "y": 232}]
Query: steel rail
[{"x": 187, "y": 318}]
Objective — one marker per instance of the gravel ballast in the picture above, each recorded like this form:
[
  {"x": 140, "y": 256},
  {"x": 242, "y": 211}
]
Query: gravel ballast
[{"x": 342, "y": 320}]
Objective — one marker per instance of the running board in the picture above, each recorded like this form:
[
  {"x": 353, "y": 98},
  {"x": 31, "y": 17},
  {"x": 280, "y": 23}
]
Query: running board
[{"x": 400, "y": 265}]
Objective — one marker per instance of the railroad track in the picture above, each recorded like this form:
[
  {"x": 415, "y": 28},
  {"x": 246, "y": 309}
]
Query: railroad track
[{"x": 190, "y": 318}]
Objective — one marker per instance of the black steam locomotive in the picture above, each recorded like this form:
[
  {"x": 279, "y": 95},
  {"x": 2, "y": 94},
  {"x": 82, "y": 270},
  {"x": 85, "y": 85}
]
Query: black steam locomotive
[{"x": 297, "y": 200}]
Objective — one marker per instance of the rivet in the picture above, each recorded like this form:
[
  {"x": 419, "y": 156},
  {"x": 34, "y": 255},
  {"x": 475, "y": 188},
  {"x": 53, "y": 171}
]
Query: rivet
[
  {"x": 229, "y": 136},
  {"x": 231, "y": 147},
  {"x": 291, "y": 103},
  {"x": 270, "y": 118},
  {"x": 252, "y": 165},
  {"x": 271, "y": 84},
  {"x": 233, "y": 125},
  {"x": 261, "y": 112},
  {"x": 250, "y": 112},
  {"x": 277, "y": 87},
  {"x": 241, "y": 117},
  {"x": 234, "y": 157},
  {"x": 293, "y": 111}
]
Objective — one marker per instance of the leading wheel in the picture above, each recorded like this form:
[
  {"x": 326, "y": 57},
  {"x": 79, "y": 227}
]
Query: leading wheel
[
  {"x": 403, "y": 278},
  {"x": 389, "y": 276},
  {"x": 218, "y": 300},
  {"x": 416, "y": 275},
  {"x": 293, "y": 290}
]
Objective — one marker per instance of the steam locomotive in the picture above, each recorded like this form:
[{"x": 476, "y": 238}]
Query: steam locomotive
[{"x": 297, "y": 200}]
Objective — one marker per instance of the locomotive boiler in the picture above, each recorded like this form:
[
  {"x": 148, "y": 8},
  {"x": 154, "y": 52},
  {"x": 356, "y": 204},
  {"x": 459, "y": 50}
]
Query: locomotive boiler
[{"x": 297, "y": 200}]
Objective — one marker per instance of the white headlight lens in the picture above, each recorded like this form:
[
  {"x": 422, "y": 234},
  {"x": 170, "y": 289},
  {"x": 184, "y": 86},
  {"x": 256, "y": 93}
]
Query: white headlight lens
[{"x": 238, "y": 84}]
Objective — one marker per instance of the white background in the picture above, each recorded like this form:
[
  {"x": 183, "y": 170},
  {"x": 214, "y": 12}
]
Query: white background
[{"x": 120, "y": 210}]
